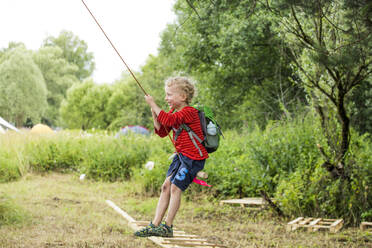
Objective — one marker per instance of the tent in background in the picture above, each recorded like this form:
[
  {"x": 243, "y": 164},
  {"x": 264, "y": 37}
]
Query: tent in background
[
  {"x": 135, "y": 129},
  {"x": 4, "y": 125},
  {"x": 41, "y": 129}
]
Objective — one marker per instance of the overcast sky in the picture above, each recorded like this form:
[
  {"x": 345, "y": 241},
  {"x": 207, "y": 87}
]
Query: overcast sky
[{"x": 134, "y": 27}]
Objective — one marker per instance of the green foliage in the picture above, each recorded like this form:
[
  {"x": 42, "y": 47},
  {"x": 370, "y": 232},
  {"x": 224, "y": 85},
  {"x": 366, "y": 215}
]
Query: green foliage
[
  {"x": 246, "y": 164},
  {"x": 60, "y": 152},
  {"x": 13, "y": 163},
  {"x": 329, "y": 44},
  {"x": 360, "y": 105},
  {"x": 111, "y": 159},
  {"x": 10, "y": 213},
  {"x": 9, "y": 167},
  {"x": 237, "y": 59},
  {"x": 313, "y": 192},
  {"x": 126, "y": 105},
  {"x": 59, "y": 75},
  {"x": 84, "y": 106},
  {"x": 99, "y": 156},
  {"x": 75, "y": 51},
  {"x": 22, "y": 87}
]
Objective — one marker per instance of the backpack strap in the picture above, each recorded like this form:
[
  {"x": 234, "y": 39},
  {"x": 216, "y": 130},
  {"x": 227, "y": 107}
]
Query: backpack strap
[{"x": 191, "y": 134}]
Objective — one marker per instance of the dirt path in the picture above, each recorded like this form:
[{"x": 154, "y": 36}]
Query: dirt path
[{"x": 66, "y": 212}]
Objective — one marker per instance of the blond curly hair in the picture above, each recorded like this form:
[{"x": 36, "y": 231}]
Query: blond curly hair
[{"x": 184, "y": 84}]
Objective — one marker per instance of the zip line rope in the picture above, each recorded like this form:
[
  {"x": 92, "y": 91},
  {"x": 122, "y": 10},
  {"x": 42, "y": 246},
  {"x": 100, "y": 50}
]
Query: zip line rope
[{"x": 114, "y": 48}]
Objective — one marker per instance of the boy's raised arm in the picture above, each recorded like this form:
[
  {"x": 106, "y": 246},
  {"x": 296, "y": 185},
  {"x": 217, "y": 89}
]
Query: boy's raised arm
[{"x": 157, "y": 125}]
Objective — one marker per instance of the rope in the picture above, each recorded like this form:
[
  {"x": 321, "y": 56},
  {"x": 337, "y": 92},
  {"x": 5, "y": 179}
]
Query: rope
[{"x": 114, "y": 48}]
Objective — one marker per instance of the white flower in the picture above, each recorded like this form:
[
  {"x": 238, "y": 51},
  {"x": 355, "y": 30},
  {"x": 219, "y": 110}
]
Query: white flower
[{"x": 150, "y": 165}]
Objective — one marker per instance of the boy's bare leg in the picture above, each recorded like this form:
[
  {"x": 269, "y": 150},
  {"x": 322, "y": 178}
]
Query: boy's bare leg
[
  {"x": 174, "y": 205},
  {"x": 163, "y": 202}
]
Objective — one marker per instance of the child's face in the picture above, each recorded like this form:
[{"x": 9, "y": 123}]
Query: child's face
[{"x": 175, "y": 97}]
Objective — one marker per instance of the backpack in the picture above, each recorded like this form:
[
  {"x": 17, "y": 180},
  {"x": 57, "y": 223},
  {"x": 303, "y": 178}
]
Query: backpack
[{"x": 211, "y": 130}]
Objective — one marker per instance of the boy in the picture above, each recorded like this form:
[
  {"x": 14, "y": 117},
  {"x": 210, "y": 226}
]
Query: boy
[{"x": 189, "y": 160}]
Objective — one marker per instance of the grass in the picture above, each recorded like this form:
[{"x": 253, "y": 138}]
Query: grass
[{"x": 63, "y": 211}]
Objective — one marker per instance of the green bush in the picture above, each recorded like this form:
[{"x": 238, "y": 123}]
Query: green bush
[
  {"x": 58, "y": 152},
  {"x": 109, "y": 159},
  {"x": 249, "y": 162},
  {"x": 98, "y": 155},
  {"x": 314, "y": 192}
]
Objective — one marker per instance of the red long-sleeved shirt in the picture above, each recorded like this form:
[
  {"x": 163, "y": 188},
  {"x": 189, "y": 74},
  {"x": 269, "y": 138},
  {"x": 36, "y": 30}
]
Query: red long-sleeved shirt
[{"x": 184, "y": 145}]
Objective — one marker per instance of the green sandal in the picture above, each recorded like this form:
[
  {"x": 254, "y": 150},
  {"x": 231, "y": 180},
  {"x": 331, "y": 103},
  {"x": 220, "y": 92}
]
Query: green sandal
[
  {"x": 164, "y": 230},
  {"x": 146, "y": 231}
]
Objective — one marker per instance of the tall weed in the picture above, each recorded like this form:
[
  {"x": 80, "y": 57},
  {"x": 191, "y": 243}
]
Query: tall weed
[
  {"x": 12, "y": 164},
  {"x": 58, "y": 152},
  {"x": 10, "y": 213},
  {"x": 109, "y": 159}
]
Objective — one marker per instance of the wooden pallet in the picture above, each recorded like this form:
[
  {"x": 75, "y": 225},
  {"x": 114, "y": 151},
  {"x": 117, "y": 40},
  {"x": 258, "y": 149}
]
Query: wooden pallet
[
  {"x": 179, "y": 240},
  {"x": 252, "y": 203},
  {"x": 366, "y": 226},
  {"x": 315, "y": 224}
]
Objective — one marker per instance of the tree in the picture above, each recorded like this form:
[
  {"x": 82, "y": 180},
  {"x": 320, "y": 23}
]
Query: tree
[
  {"x": 59, "y": 75},
  {"x": 126, "y": 105},
  {"x": 360, "y": 107},
  {"x": 233, "y": 55},
  {"x": 22, "y": 87},
  {"x": 330, "y": 44},
  {"x": 326, "y": 43},
  {"x": 85, "y": 105},
  {"x": 75, "y": 51}
]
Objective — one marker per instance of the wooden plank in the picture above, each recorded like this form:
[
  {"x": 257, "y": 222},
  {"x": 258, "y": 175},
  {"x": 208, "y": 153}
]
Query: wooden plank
[
  {"x": 336, "y": 226},
  {"x": 168, "y": 244},
  {"x": 121, "y": 212},
  {"x": 295, "y": 221},
  {"x": 175, "y": 235},
  {"x": 305, "y": 221},
  {"x": 313, "y": 224},
  {"x": 245, "y": 201},
  {"x": 364, "y": 225},
  {"x": 189, "y": 243},
  {"x": 292, "y": 225},
  {"x": 158, "y": 241},
  {"x": 179, "y": 240},
  {"x": 186, "y": 239},
  {"x": 131, "y": 221}
]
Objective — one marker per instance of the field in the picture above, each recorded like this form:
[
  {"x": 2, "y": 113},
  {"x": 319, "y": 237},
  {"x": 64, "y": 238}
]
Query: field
[{"x": 59, "y": 210}]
